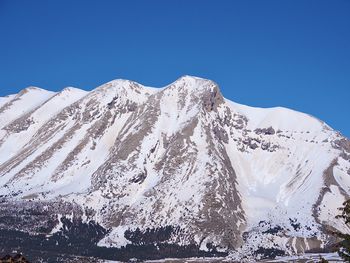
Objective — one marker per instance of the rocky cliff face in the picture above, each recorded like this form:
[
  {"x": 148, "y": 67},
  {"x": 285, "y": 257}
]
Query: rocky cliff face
[{"x": 178, "y": 168}]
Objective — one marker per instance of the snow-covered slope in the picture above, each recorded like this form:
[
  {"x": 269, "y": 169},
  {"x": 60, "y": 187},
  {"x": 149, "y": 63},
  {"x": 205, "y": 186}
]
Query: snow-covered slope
[{"x": 218, "y": 173}]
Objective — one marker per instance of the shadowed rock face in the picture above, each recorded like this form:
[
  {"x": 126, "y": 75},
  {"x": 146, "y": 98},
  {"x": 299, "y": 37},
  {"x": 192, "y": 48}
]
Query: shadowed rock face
[{"x": 178, "y": 168}]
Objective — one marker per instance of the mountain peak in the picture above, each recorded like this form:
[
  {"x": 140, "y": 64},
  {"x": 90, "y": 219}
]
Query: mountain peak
[
  {"x": 179, "y": 165},
  {"x": 73, "y": 89},
  {"x": 33, "y": 89},
  {"x": 193, "y": 82}
]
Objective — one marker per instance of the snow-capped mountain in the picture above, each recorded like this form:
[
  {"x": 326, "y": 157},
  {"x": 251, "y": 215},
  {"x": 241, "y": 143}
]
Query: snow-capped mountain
[{"x": 180, "y": 165}]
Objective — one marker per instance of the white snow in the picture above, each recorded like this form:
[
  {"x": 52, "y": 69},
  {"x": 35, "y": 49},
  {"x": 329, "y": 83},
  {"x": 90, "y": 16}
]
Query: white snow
[
  {"x": 331, "y": 203},
  {"x": 274, "y": 185},
  {"x": 115, "y": 238},
  {"x": 14, "y": 142},
  {"x": 24, "y": 102},
  {"x": 279, "y": 118}
]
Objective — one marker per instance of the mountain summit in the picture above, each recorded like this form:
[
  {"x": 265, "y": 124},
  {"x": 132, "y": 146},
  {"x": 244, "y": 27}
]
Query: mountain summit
[{"x": 180, "y": 166}]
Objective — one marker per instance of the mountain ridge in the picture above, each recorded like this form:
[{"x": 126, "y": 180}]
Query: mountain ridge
[
  {"x": 157, "y": 89},
  {"x": 216, "y": 174}
]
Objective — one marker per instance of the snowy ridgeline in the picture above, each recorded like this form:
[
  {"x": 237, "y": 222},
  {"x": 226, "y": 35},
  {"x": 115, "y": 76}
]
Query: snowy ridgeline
[{"x": 175, "y": 166}]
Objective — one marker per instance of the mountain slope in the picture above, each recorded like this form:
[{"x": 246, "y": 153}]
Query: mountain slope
[{"x": 179, "y": 165}]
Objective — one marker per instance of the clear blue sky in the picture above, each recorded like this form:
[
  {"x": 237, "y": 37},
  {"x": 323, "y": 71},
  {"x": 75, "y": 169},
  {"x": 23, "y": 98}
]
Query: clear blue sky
[{"x": 292, "y": 53}]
